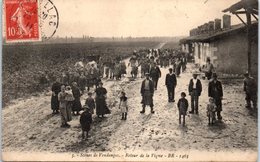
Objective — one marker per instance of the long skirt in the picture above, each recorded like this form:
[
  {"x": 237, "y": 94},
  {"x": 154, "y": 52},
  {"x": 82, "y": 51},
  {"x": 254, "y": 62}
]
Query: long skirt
[
  {"x": 147, "y": 98},
  {"x": 65, "y": 114},
  {"x": 54, "y": 102},
  {"x": 76, "y": 105},
  {"x": 101, "y": 106}
]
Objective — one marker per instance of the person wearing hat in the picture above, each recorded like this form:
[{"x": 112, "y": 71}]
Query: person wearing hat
[
  {"x": 147, "y": 91},
  {"x": 155, "y": 74},
  {"x": 216, "y": 92},
  {"x": 171, "y": 83},
  {"x": 183, "y": 105},
  {"x": 101, "y": 105},
  {"x": 250, "y": 88},
  {"x": 195, "y": 89},
  {"x": 85, "y": 121}
]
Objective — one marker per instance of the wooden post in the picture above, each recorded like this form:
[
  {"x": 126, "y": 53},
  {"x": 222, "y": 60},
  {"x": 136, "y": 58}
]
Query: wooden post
[{"x": 248, "y": 17}]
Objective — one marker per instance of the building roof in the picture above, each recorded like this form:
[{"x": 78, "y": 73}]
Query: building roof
[
  {"x": 242, "y": 4},
  {"x": 213, "y": 36}
]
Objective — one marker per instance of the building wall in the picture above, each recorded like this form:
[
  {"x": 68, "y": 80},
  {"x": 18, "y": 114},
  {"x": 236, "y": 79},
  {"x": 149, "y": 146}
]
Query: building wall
[
  {"x": 228, "y": 54},
  {"x": 202, "y": 51},
  {"x": 231, "y": 54},
  {"x": 254, "y": 59}
]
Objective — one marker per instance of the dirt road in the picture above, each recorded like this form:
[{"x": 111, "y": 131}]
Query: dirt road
[{"x": 28, "y": 125}]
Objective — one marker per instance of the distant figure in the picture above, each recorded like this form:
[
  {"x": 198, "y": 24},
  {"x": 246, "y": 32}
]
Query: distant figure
[
  {"x": 171, "y": 83},
  {"x": 144, "y": 66},
  {"x": 182, "y": 107},
  {"x": 122, "y": 68},
  {"x": 183, "y": 62},
  {"x": 177, "y": 67},
  {"x": 76, "y": 107},
  {"x": 85, "y": 122},
  {"x": 82, "y": 81},
  {"x": 211, "y": 108},
  {"x": 65, "y": 79},
  {"x": 209, "y": 69},
  {"x": 117, "y": 71},
  {"x": 216, "y": 92},
  {"x": 250, "y": 88},
  {"x": 123, "y": 105},
  {"x": 101, "y": 106},
  {"x": 147, "y": 90},
  {"x": 90, "y": 102},
  {"x": 155, "y": 74},
  {"x": 195, "y": 89},
  {"x": 56, "y": 88},
  {"x": 133, "y": 63}
]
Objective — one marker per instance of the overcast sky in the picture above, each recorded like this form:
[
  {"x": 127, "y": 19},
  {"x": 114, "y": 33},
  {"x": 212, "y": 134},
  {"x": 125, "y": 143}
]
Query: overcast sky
[{"x": 136, "y": 18}]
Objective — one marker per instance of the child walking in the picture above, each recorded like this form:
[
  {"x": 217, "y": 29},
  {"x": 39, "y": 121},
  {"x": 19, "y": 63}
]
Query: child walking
[
  {"x": 123, "y": 105},
  {"x": 211, "y": 108},
  {"x": 90, "y": 102},
  {"x": 183, "y": 107},
  {"x": 85, "y": 122}
]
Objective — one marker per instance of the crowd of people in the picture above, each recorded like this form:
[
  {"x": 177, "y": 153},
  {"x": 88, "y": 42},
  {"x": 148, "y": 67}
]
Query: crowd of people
[{"x": 67, "y": 90}]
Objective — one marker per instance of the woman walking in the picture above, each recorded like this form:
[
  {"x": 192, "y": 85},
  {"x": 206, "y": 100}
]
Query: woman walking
[{"x": 101, "y": 106}]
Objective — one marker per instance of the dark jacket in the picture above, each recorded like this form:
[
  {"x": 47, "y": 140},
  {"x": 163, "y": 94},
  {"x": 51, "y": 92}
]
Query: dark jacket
[
  {"x": 56, "y": 88},
  {"x": 155, "y": 72},
  {"x": 85, "y": 121},
  {"x": 151, "y": 85},
  {"x": 76, "y": 92},
  {"x": 215, "y": 89},
  {"x": 85, "y": 118},
  {"x": 183, "y": 105},
  {"x": 198, "y": 86},
  {"x": 171, "y": 80}
]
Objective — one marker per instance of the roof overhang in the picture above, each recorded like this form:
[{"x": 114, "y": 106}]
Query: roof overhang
[{"x": 243, "y": 4}]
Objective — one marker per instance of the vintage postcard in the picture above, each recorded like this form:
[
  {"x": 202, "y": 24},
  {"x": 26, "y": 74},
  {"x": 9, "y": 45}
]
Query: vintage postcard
[{"x": 129, "y": 80}]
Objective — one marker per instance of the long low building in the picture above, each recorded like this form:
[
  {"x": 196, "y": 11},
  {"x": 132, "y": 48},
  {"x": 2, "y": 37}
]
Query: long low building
[{"x": 227, "y": 48}]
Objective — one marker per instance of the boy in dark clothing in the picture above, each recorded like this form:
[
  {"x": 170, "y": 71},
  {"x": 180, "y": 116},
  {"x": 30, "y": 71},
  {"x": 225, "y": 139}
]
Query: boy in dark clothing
[
  {"x": 90, "y": 102},
  {"x": 85, "y": 122},
  {"x": 183, "y": 107}
]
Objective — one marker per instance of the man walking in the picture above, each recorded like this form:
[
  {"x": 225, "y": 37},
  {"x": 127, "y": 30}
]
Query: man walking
[
  {"x": 215, "y": 91},
  {"x": 195, "y": 89},
  {"x": 147, "y": 90},
  {"x": 171, "y": 83},
  {"x": 155, "y": 74}
]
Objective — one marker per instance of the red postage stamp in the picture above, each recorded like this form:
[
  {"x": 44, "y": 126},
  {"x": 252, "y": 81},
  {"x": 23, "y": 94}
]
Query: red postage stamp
[{"x": 21, "y": 20}]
